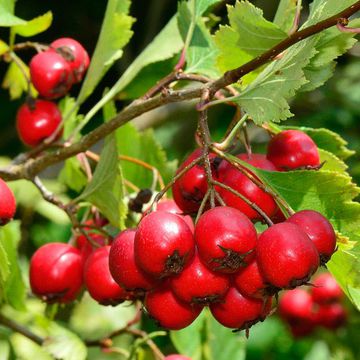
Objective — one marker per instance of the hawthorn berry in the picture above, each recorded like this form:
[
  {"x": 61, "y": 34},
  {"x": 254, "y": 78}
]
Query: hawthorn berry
[
  {"x": 225, "y": 238},
  {"x": 293, "y": 149},
  {"x": 190, "y": 189},
  {"x": 326, "y": 290},
  {"x": 196, "y": 284},
  {"x": 164, "y": 244},
  {"x": 319, "y": 230},
  {"x": 169, "y": 312},
  {"x": 75, "y": 54},
  {"x": 123, "y": 266},
  {"x": 7, "y": 203},
  {"x": 235, "y": 179},
  {"x": 176, "y": 357},
  {"x": 50, "y": 74},
  {"x": 239, "y": 312},
  {"x": 37, "y": 121},
  {"x": 331, "y": 316},
  {"x": 99, "y": 282},
  {"x": 56, "y": 272},
  {"x": 286, "y": 256}
]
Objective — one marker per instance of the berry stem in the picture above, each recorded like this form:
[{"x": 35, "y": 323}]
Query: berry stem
[
  {"x": 202, "y": 205},
  {"x": 295, "y": 26}
]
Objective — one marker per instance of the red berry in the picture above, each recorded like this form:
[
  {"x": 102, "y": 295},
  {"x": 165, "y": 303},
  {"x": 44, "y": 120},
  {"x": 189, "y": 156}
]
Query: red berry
[
  {"x": 326, "y": 290},
  {"x": 163, "y": 244},
  {"x": 7, "y": 203},
  {"x": 319, "y": 230},
  {"x": 37, "y": 122},
  {"x": 302, "y": 329},
  {"x": 286, "y": 256},
  {"x": 296, "y": 306},
  {"x": 331, "y": 316},
  {"x": 169, "y": 312},
  {"x": 236, "y": 180},
  {"x": 250, "y": 282},
  {"x": 293, "y": 149},
  {"x": 75, "y": 54},
  {"x": 176, "y": 357},
  {"x": 56, "y": 272},
  {"x": 225, "y": 238},
  {"x": 50, "y": 74},
  {"x": 240, "y": 312},
  {"x": 123, "y": 266},
  {"x": 99, "y": 282},
  {"x": 190, "y": 189},
  {"x": 196, "y": 284}
]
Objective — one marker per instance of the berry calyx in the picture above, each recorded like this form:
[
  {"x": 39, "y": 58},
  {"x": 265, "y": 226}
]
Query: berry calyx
[
  {"x": 225, "y": 238},
  {"x": 326, "y": 290},
  {"x": 124, "y": 268},
  {"x": 164, "y": 244},
  {"x": 7, "y": 203},
  {"x": 293, "y": 149},
  {"x": 50, "y": 74},
  {"x": 56, "y": 272},
  {"x": 286, "y": 256},
  {"x": 196, "y": 284},
  {"x": 239, "y": 312},
  {"x": 169, "y": 312},
  {"x": 236, "y": 180},
  {"x": 319, "y": 230},
  {"x": 75, "y": 54},
  {"x": 99, "y": 282},
  {"x": 37, "y": 121}
]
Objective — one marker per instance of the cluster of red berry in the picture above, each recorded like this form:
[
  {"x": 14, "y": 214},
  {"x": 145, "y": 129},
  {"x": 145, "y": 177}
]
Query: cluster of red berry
[
  {"x": 303, "y": 311},
  {"x": 53, "y": 72}
]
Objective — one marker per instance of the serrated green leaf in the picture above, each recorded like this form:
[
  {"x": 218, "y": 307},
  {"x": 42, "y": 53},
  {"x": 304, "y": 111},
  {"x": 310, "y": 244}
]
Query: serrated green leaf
[
  {"x": 114, "y": 35},
  {"x": 7, "y": 17},
  {"x": 202, "y": 5},
  {"x": 331, "y": 162},
  {"x": 285, "y": 14},
  {"x": 15, "y": 80},
  {"x": 265, "y": 99},
  {"x": 14, "y": 288},
  {"x": 34, "y": 26},
  {"x": 105, "y": 189},
  {"x": 248, "y": 36}
]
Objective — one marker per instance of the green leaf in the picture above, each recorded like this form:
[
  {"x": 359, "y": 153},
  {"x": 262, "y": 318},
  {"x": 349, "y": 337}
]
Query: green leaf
[
  {"x": 165, "y": 45},
  {"x": 4, "y": 47},
  {"x": 34, "y": 26},
  {"x": 26, "y": 349},
  {"x": 7, "y": 17},
  {"x": 285, "y": 14},
  {"x": 105, "y": 189},
  {"x": 265, "y": 99},
  {"x": 69, "y": 111},
  {"x": 72, "y": 175},
  {"x": 331, "y": 162},
  {"x": 248, "y": 36},
  {"x": 202, "y": 5},
  {"x": 15, "y": 80},
  {"x": 114, "y": 35},
  {"x": 14, "y": 289},
  {"x": 4, "y": 270},
  {"x": 4, "y": 350},
  {"x": 64, "y": 344},
  {"x": 142, "y": 145}
]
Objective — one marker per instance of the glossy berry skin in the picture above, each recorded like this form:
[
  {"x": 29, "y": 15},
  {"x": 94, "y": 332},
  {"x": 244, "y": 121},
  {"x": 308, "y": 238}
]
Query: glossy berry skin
[
  {"x": 99, "y": 282},
  {"x": 164, "y": 244},
  {"x": 233, "y": 178},
  {"x": 293, "y": 149},
  {"x": 319, "y": 230},
  {"x": 7, "y": 203},
  {"x": 56, "y": 272},
  {"x": 331, "y": 316},
  {"x": 286, "y": 256},
  {"x": 123, "y": 266},
  {"x": 169, "y": 312},
  {"x": 190, "y": 189},
  {"x": 35, "y": 124},
  {"x": 250, "y": 282},
  {"x": 50, "y": 74},
  {"x": 326, "y": 290},
  {"x": 176, "y": 357},
  {"x": 225, "y": 238},
  {"x": 75, "y": 54},
  {"x": 196, "y": 284},
  {"x": 239, "y": 312}
]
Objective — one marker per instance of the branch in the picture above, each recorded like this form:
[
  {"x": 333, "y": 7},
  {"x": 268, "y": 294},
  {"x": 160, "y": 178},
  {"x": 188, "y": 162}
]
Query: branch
[{"x": 32, "y": 167}]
